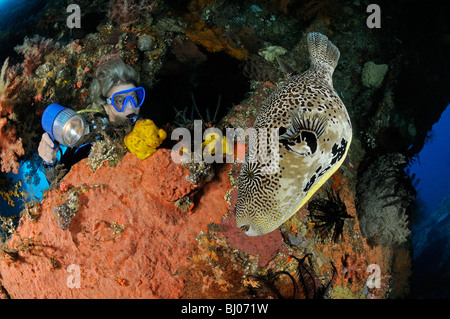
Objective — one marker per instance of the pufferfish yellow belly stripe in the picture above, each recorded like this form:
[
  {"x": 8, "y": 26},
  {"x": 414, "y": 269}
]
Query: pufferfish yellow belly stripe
[{"x": 315, "y": 133}]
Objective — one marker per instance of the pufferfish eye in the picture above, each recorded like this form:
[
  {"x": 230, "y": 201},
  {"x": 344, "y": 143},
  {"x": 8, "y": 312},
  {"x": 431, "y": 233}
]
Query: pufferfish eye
[{"x": 250, "y": 170}]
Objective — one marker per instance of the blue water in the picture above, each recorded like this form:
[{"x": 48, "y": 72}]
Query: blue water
[
  {"x": 433, "y": 166},
  {"x": 34, "y": 183},
  {"x": 17, "y": 12},
  {"x": 431, "y": 239}
]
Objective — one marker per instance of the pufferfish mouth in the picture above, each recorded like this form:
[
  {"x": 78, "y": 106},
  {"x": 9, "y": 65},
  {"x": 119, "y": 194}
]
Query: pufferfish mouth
[
  {"x": 244, "y": 228},
  {"x": 249, "y": 230}
]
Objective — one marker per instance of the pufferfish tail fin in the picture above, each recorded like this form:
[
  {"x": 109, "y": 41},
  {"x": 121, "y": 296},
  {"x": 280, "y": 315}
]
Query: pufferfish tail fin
[{"x": 323, "y": 53}]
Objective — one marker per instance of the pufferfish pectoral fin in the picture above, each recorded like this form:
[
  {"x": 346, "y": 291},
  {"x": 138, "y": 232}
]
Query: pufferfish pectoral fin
[{"x": 302, "y": 137}]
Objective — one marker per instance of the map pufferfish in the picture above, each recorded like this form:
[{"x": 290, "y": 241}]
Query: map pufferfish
[{"x": 314, "y": 135}]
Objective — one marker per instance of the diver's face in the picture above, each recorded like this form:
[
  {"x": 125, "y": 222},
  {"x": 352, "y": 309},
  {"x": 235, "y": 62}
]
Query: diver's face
[{"x": 114, "y": 115}]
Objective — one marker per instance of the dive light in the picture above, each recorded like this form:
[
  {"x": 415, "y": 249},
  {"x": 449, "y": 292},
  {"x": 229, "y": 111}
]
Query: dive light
[{"x": 64, "y": 125}]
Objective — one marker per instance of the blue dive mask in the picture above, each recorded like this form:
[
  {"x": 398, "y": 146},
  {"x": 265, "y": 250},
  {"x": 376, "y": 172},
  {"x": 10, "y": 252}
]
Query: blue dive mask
[{"x": 134, "y": 97}]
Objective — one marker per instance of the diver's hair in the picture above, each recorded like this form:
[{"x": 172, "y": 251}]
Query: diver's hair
[{"x": 110, "y": 73}]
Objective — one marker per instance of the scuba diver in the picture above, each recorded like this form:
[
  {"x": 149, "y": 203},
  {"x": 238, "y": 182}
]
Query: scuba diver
[{"x": 115, "y": 98}]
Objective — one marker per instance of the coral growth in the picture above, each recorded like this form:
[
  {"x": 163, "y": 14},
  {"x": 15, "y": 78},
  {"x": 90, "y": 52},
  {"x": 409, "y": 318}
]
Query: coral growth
[
  {"x": 354, "y": 268},
  {"x": 199, "y": 173},
  {"x": 34, "y": 51},
  {"x": 68, "y": 203},
  {"x": 373, "y": 74},
  {"x": 7, "y": 227},
  {"x": 211, "y": 38},
  {"x": 10, "y": 146},
  {"x": 215, "y": 270},
  {"x": 8, "y": 194},
  {"x": 128, "y": 12},
  {"x": 31, "y": 210},
  {"x": 384, "y": 197},
  {"x": 105, "y": 151},
  {"x": 272, "y": 52},
  {"x": 350, "y": 255},
  {"x": 67, "y": 210}
]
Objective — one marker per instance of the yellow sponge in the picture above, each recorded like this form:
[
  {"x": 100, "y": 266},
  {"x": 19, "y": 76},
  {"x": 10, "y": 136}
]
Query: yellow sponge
[{"x": 144, "y": 139}]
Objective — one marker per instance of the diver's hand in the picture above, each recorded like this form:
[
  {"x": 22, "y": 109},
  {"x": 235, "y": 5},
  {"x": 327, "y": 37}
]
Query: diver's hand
[{"x": 46, "y": 150}]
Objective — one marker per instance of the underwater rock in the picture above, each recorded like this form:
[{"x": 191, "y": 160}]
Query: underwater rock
[
  {"x": 244, "y": 114},
  {"x": 127, "y": 238},
  {"x": 384, "y": 197},
  {"x": 145, "y": 42},
  {"x": 373, "y": 74},
  {"x": 187, "y": 51},
  {"x": 256, "y": 68}
]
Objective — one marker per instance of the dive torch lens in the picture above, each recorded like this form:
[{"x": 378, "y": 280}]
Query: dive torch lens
[{"x": 73, "y": 131}]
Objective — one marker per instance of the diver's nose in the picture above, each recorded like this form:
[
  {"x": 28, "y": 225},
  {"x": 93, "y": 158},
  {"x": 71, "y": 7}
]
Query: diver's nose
[{"x": 128, "y": 105}]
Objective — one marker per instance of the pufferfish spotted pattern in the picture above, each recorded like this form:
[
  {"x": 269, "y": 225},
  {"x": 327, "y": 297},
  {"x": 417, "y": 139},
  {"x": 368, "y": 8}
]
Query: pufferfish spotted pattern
[{"x": 314, "y": 135}]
